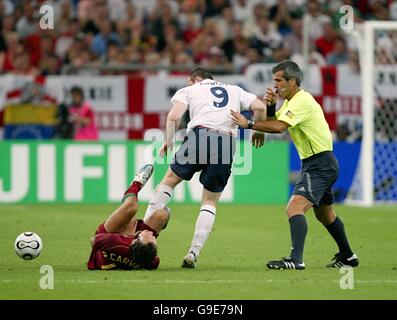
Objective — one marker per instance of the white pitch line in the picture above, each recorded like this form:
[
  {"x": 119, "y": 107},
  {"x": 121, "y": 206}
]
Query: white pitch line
[
  {"x": 224, "y": 281},
  {"x": 170, "y": 281},
  {"x": 161, "y": 281}
]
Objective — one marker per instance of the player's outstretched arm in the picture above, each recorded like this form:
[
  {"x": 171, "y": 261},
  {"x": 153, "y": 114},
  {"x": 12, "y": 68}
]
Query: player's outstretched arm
[
  {"x": 173, "y": 119},
  {"x": 271, "y": 126}
]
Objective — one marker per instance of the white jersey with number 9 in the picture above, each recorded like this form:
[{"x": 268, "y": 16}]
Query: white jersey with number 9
[{"x": 209, "y": 103}]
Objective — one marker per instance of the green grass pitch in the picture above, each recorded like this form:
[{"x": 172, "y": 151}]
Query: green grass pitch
[{"x": 231, "y": 266}]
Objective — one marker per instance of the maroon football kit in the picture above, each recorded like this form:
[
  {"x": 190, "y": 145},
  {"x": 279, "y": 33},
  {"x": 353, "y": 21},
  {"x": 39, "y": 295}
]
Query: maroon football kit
[{"x": 110, "y": 251}]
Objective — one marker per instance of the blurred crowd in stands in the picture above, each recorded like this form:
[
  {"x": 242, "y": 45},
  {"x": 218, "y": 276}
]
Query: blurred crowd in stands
[{"x": 223, "y": 35}]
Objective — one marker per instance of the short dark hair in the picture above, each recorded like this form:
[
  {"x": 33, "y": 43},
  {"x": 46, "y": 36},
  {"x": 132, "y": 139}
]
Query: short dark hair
[
  {"x": 78, "y": 90},
  {"x": 201, "y": 73},
  {"x": 143, "y": 254},
  {"x": 291, "y": 70}
]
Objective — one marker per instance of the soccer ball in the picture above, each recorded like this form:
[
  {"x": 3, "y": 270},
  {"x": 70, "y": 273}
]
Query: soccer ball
[{"x": 28, "y": 245}]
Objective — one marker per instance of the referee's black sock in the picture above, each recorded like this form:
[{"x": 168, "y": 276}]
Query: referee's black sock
[
  {"x": 298, "y": 229},
  {"x": 337, "y": 231}
]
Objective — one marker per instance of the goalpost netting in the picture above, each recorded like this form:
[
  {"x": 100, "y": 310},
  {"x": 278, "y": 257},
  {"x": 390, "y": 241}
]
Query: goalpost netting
[{"x": 375, "y": 179}]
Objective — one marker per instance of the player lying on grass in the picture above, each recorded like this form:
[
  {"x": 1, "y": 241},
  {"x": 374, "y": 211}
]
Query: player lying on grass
[{"x": 125, "y": 242}]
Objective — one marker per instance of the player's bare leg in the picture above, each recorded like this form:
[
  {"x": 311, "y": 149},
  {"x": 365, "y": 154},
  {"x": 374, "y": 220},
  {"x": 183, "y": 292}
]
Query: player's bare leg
[
  {"x": 171, "y": 179},
  {"x": 204, "y": 224},
  {"x": 123, "y": 215},
  {"x": 159, "y": 220},
  {"x": 298, "y": 205}
]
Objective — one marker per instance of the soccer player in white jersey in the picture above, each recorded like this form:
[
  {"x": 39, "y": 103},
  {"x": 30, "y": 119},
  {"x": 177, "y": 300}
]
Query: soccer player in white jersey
[{"x": 208, "y": 146}]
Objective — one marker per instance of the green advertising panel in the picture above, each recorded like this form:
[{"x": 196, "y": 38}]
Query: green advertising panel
[{"x": 99, "y": 172}]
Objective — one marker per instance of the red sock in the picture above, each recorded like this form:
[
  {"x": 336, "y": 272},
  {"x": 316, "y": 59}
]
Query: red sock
[{"x": 134, "y": 188}]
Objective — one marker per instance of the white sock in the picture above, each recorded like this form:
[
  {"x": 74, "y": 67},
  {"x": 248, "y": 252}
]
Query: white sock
[
  {"x": 161, "y": 196},
  {"x": 204, "y": 224}
]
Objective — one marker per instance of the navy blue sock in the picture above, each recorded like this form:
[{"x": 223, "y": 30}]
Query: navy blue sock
[
  {"x": 298, "y": 229},
  {"x": 337, "y": 231}
]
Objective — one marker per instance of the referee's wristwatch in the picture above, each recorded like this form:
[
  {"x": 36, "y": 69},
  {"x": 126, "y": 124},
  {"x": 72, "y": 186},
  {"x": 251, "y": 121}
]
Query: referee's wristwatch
[{"x": 250, "y": 124}]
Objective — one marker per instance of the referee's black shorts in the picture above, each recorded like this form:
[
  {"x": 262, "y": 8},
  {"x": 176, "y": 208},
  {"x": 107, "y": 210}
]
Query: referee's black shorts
[{"x": 319, "y": 173}]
